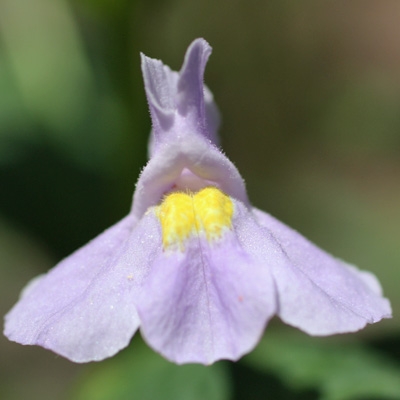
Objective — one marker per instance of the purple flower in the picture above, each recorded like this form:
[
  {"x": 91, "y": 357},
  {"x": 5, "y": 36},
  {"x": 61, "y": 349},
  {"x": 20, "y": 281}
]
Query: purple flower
[{"x": 194, "y": 266}]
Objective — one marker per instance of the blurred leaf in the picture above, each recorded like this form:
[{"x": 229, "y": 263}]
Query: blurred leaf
[
  {"x": 139, "y": 373},
  {"x": 340, "y": 371},
  {"x": 48, "y": 60}
]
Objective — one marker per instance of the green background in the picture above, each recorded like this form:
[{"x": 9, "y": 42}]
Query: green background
[{"x": 310, "y": 98}]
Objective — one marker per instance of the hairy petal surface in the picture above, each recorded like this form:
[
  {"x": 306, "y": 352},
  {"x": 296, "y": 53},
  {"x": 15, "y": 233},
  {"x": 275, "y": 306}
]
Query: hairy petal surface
[
  {"x": 185, "y": 122},
  {"x": 210, "y": 302},
  {"x": 177, "y": 99},
  {"x": 83, "y": 309},
  {"x": 161, "y": 86},
  {"x": 193, "y": 153},
  {"x": 318, "y": 293},
  {"x": 180, "y": 104},
  {"x": 190, "y": 94},
  {"x": 213, "y": 117}
]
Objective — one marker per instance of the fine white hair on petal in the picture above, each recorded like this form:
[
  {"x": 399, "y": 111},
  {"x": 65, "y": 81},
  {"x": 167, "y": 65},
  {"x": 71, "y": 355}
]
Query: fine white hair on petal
[
  {"x": 194, "y": 153},
  {"x": 184, "y": 135},
  {"x": 181, "y": 98}
]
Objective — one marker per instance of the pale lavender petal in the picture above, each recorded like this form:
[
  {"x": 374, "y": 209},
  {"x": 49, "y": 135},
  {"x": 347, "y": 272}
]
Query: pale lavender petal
[
  {"x": 368, "y": 277},
  {"x": 185, "y": 123},
  {"x": 213, "y": 120},
  {"x": 177, "y": 99},
  {"x": 84, "y": 308},
  {"x": 211, "y": 302},
  {"x": 193, "y": 153},
  {"x": 180, "y": 104},
  {"x": 190, "y": 94},
  {"x": 161, "y": 86},
  {"x": 318, "y": 293}
]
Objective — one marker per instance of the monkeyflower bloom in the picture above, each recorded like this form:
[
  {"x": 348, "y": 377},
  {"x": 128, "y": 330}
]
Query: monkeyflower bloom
[{"x": 194, "y": 266}]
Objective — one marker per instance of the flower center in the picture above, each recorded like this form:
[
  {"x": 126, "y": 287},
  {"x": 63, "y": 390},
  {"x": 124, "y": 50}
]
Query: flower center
[{"x": 207, "y": 212}]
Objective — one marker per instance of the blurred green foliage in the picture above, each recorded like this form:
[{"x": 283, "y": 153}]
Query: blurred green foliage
[
  {"x": 339, "y": 370},
  {"x": 310, "y": 99},
  {"x": 139, "y": 373}
]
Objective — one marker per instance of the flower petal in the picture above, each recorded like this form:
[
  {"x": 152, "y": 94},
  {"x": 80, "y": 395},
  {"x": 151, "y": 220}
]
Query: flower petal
[
  {"x": 318, "y": 293},
  {"x": 83, "y": 308},
  {"x": 161, "y": 86},
  {"x": 213, "y": 117},
  {"x": 190, "y": 95},
  {"x": 208, "y": 303},
  {"x": 195, "y": 154},
  {"x": 180, "y": 103},
  {"x": 185, "y": 121}
]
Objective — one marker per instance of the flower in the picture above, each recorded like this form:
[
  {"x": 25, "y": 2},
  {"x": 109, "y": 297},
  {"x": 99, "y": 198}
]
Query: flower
[{"x": 194, "y": 266}]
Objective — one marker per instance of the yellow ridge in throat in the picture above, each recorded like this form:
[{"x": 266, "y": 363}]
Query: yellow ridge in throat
[{"x": 208, "y": 212}]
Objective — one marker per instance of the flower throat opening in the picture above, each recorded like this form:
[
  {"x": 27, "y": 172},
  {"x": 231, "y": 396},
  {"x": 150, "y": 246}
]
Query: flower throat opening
[{"x": 207, "y": 212}]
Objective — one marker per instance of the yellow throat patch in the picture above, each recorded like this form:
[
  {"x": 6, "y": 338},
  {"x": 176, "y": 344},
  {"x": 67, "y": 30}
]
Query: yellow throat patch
[{"x": 208, "y": 212}]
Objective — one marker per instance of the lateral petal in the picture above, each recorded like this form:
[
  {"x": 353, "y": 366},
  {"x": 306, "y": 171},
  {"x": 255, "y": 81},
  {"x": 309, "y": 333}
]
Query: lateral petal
[
  {"x": 83, "y": 308},
  {"x": 318, "y": 293}
]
